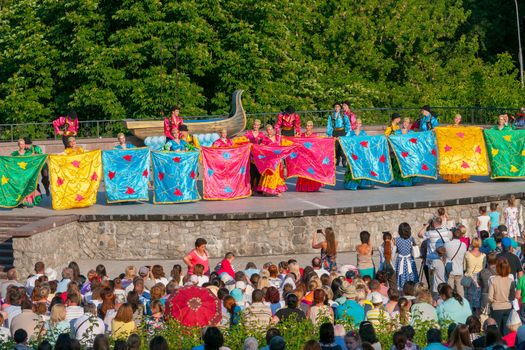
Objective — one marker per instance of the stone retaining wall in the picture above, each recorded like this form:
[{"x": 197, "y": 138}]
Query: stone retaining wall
[{"x": 131, "y": 240}]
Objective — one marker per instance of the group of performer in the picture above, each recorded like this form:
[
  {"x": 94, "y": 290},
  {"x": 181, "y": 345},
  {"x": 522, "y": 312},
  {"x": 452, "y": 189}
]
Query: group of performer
[{"x": 340, "y": 122}]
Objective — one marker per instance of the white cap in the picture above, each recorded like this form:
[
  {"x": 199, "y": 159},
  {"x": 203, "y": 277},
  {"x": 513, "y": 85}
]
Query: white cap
[
  {"x": 376, "y": 298},
  {"x": 51, "y": 274}
]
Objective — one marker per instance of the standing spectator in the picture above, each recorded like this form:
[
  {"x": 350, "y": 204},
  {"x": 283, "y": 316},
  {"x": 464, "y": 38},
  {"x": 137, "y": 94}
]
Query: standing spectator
[
  {"x": 405, "y": 263},
  {"x": 501, "y": 292},
  {"x": 433, "y": 232},
  {"x": 258, "y": 315},
  {"x": 516, "y": 269},
  {"x": 40, "y": 269},
  {"x": 199, "y": 255},
  {"x": 484, "y": 277},
  {"x": 511, "y": 218},
  {"x": 438, "y": 270},
  {"x": 453, "y": 307},
  {"x": 327, "y": 337},
  {"x": 365, "y": 264},
  {"x": 483, "y": 221},
  {"x": 474, "y": 263},
  {"x": 328, "y": 248},
  {"x": 387, "y": 251},
  {"x": 456, "y": 254},
  {"x": 494, "y": 217}
]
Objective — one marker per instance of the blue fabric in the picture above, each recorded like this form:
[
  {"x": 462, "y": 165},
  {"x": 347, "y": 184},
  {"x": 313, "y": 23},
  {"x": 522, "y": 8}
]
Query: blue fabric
[
  {"x": 368, "y": 157},
  {"x": 404, "y": 247},
  {"x": 428, "y": 118},
  {"x": 416, "y": 153},
  {"x": 352, "y": 133},
  {"x": 126, "y": 174},
  {"x": 351, "y": 309},
  {"x": 173, "y": 146},
  {"x": 128, "y": 145},
  {"x": 338, "y": 121},
  {"x": 175, "y": 177}
]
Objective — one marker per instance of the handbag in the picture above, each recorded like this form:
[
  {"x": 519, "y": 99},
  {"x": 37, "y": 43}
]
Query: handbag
[{"x": 415, "y": 251}]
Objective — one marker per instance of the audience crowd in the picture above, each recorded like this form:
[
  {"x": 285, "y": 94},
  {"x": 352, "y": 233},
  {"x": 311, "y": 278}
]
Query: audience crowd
[{"x": 467, "y": 292}]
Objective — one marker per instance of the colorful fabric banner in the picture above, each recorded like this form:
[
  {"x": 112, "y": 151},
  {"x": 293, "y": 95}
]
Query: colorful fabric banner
[
  {"x": 226, "y": 172},
  {"x": 461, "y": 151},
  {"x": 18, "y": 178},
  {"x": 313, "y": 159},
  {"x": 126, "y": 174},
  {"x": 75, "y": 179},
  {"x": 416, "y": 153},
  {"x": 267, "y": 158},
  {"x": 368, "y": 157},
  {"x": 175, "y": 177},
  {"x": 506, "y": 151}
]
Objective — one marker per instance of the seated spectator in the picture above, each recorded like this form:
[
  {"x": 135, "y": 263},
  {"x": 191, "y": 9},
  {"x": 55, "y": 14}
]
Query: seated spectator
[
  {"x": 453, "y": 307},
  {"x": 158, "y": 343},
  {"x": 378, "y": 313},
  {"x": 327, "y": 337},
  {"x": 422, "y": 308},
  {"x": 399, "y": 341},
  {"x": 57, "y": 323},
  {"x": 270, "y": 334},
  {"x": 434, "y": 340},
  {"x": 250, "y": 343},
  {"x": 88, "y": 326},
  {"x": 67, "y": 275},
  {"x": 367, "y": 333},
  {"x": 460, "y": 338},
  {"x": 73, "y": 309},
  {"x": 352, "y": 341},
  {"x": 123, "y": 324},
  {"x": 258, "y": 315},
  {"x": 20, "y": 338},
  {"x": 513, "y": 323},
  {"x": 277, "y": 343},
  {"x": 225, "y": 266},
  {"x": 101, "y": 342},
  {"x": 319, "y": 311},
  {"x": 273, "y": 298},
  {"x": 350, "y": 308},
  {"x": 291, "y": 311},
  {"x": 26, "y": 320}
]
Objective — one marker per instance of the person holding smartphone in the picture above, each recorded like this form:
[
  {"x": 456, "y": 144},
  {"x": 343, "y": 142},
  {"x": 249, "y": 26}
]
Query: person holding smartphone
[{"x": 328, "y": 248}]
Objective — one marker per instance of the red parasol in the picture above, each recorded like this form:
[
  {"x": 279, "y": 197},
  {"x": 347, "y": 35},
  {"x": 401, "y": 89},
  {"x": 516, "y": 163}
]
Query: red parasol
[{"x": 194, "y": 306}]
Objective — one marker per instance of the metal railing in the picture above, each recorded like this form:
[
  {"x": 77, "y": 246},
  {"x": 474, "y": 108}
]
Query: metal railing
[{"x": 370, "y": 116}]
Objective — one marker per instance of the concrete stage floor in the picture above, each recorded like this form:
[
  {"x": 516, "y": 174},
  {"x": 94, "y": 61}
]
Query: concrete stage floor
[{"x": 381, "y": 197}]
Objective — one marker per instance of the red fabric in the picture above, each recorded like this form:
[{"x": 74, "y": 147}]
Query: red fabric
[
  {"x": 194, "y": 307},
  {"x": 288, "y": 121},
  {"x": 72, "y": 128},
  {"x": 226, "y": 267},
  {"x": 465, "y": 240},
  {"x": 307, "y": 185},
  {"x": 510, "y": 339},
  {"x": 353, "y": 120},
  {"x": 170, "y": 123},
  {"x": 314, "y": 159},
  {"x": 226, "y": 172},
  {"x": 222, "y": 143},
  {"x": 260, "y": 136}
]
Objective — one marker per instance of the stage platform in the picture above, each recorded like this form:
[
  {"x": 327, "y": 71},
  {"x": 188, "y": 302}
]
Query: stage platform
[{"x": 329, "y": 201}]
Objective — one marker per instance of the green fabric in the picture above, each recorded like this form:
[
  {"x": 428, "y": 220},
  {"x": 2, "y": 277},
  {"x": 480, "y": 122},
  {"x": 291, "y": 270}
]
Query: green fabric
[
  {"x": 18, "y": 178},
  {"x": 506, "y": 150}
]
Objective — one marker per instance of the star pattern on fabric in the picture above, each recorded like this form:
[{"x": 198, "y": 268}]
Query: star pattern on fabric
[
  {"x": 22, "y": 165},
  {"x": 507, "y": 152},
  {"x": 5, "y": 180},
  {"x": 19, "y": 177}
]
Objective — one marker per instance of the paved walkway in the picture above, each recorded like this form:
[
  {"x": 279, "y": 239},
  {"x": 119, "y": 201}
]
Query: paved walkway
[{"x": 329, "y": 197}]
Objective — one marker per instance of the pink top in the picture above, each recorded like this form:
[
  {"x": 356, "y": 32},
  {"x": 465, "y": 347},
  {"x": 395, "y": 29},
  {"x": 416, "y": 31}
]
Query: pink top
[
  {"x": 254, "y": 139},
  {"x": 195, "y": 259},
  {"x": 314, "y": 134},
  {"x": 222, "y": 143},
  {"x": 288, "y": 122},
  {"x": 268, "y": 142},
  {"x": 170, "y": 123},
  {"x": 352, "y": 118},
  {"x": 70, "y": 125}
]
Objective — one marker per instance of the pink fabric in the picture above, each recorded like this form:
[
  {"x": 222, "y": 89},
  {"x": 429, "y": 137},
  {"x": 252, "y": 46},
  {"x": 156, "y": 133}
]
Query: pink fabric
[
  {"x": 465, "y": 240},
  {"x": 226, "y": 172},
  {"x": 267, "y": 158},
  {"x": 353, "y": 120},
  {"x": 260, "y": 136},
  {"x": 314, "y": 159},
  {"x": 288, "y": 121},
  {"x": 72, "y": 128},
  {"x": 222, "y": 143},
  {"x": 226, "y": 267},
  {"x": 170, "y": 123},
  {"x": 196, "y": 259}
]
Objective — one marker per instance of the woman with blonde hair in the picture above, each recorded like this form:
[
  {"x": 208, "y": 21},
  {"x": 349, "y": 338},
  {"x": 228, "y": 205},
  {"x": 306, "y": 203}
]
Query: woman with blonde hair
[
  {"x": 328, "y": 248},
  {"x": 57, "y": 323},
  {"x": 474, "y": 262},
  {"x": 123, "y": 325},
  {"x": 511, "y": 218}
]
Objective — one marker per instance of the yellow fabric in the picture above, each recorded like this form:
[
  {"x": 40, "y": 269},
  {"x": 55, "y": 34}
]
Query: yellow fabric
[
  {"x": 75, "y": 179},
  {"x": 272, "y": 183},
  {"x": 190, "y": 139},
  {"x": 71, "y": 151},
  {"x": 462, "y": 151},
  {"x": 391, "y": 129}
]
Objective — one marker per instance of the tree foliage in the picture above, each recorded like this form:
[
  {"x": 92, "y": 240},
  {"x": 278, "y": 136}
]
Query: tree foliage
[{"x": 115, "y": 59}]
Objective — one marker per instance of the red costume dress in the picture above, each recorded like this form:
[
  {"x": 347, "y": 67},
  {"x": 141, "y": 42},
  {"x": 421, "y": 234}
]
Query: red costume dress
[
  {"x": 255, "y": 176},
  {"x": 68, "y": 126},
  {"x": 273, "y": 184},
  {"x": 170, "y": 123},
  {"x": 304, "y": 184},
  {"x": 289, "y": 123},
  {"x": 220, "y": 143}
]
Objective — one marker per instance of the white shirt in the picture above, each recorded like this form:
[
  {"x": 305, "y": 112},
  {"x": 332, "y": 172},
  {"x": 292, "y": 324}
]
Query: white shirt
[
  {"x": 73, "y": 312},
  {"x": 457, "y": 254},
  {"x": 86, "y": 328},
  {"x": 321, "y": 272},
  {"x": 484, "y": 223},
  {"x": 434, "y": 235},
  {"x": 30, "y": 283}
]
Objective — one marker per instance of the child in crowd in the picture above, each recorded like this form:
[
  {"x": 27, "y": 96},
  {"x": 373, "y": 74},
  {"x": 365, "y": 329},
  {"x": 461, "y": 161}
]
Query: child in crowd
[
  {"x": 484, "y": 220},
  {"x": 511, "y": 218},
  {"x": 438, "y": 270},
  {"x": 494, "y": 217},
  {"x": 198, "y": 270}
]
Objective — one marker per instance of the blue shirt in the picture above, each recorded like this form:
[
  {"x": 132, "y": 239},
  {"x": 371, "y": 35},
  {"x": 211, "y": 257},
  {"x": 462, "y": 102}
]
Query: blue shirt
[
  {"x": 428, "y": 118},
  {"x": 173, "y": 146},
  {"x": 494, "y": 220},
  {"x": 337, "y": 121},
  {"x": 350, "y": 308},
  {"x": 435, "y": 346},
  {"x": 454, "y": 311},
  {"x": 62, "y": 285}
]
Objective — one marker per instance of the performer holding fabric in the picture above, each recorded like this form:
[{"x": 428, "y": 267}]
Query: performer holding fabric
[
  {"x": 176, "y": 144},
  {"x": 455, "y": 178},
  {"x": 34, "y": 149},
  {"x": 191, "y": 140},
  {"x": 255, "y": 137},
  {"x": 35, "y": 197},
  {"x": 351, "y": 115},
  {"x": 288, "y": 123},
  {"x": 223, "y": 141},
  {"x": 66, "y": 127},
  {"x": 72, "y": 147},
  {"x": 502, "y": 124},
  {"x": 395, "y": 119},
  {"x": 304, "y": 184},
  {"x": 173, "y": 121},
  {"x": 358, "y": 130},
  {"x": 396, "y": 170},
  {"x": 338, "y": 125},
  {"x": 273, "y": 185},
  {"x": 121, "y": 138},
  {"x": 428, "y": 121}
]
